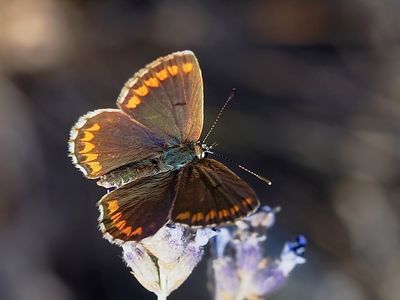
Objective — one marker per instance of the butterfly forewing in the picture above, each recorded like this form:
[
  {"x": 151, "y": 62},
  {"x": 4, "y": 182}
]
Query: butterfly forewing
[
  {"x": 137, "y": 209},
  {"x": 167, "y": 97},
  {"x": 106, "y": 139},
  {"x": 209, "y": 194}
]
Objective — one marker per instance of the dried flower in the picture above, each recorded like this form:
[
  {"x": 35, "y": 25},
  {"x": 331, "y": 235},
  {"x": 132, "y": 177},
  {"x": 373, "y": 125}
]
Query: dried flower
[
  {"x": 240, "y": 269},
  {"x": 162, "y": 262}
]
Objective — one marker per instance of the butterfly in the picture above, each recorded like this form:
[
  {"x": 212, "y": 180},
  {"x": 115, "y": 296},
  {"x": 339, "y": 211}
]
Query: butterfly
[{"x": 148, "y": 152}]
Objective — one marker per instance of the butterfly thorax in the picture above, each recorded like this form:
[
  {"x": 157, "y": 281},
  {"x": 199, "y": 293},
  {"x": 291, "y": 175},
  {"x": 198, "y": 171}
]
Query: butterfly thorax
[
  {"x": 173, "y": 158},
  {"x": 177, "y": 157}
]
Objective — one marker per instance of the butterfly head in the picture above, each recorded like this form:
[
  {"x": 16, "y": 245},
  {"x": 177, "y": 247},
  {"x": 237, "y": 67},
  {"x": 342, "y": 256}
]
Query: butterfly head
[{"x": 201, "y": 149}]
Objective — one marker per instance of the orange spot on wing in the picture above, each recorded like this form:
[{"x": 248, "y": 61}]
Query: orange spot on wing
[
  {"x": 152, "y": 82},
  {"x": 112, "y": 206},
  {"x": 236, "y": 208},
  {"x": 137, "y": 231},
  {"x": 223, "y": 213},
  {"x": 162, "y": 75},
  {"x": 94, "y": 127},
  {"x": 233, "y": 212},
  {"x": 200, "y": 216},
  {"x": 197, "y": 217},
  {"x": 87, "y": 147},
  {"x": 88, "y": 136},
  {"x": 173, "y": 70},
  {"x": 127, "y": 230},
  {"x": 183, "y": 216},
  {"x": 249, "y": 201},
  {"x": 133, "y": 102},
  {"x": 141, "y": 91},
  {"x": 95, "y": 166},
  {"x": 207, "y": 218},
  {"x": 116, "y": 217},
  {"x": 90, "y": 157},
  {"x": 121, "y": 224},
  {"x": 188, "y": 67},
  {"x": 211, "y": 215}
]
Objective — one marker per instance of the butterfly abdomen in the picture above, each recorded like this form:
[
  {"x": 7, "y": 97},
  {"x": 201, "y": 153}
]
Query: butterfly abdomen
[
  {"x": 173, "y": 158},
  {"x": 133, "y": 171}
]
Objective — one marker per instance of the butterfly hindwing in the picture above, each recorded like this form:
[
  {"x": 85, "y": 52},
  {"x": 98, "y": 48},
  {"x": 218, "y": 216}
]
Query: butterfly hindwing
[
  {"x": 137, "y": 209},
  {"x": 167, "y": 97},
  {"x": 209, "y": 194},
  {"x": 106, "y": 139}
]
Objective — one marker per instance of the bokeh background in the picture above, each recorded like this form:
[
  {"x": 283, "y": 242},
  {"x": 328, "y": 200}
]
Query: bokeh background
[{"x": 317, "y": 111}]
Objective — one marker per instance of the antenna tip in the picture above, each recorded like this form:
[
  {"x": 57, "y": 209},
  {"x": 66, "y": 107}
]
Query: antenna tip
[{"x": 267, "y": 181}]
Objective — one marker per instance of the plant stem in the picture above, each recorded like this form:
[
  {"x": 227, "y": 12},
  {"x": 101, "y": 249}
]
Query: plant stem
[
  {"x": 163, "y": 284},
  {"x": 161, "y": 296}
]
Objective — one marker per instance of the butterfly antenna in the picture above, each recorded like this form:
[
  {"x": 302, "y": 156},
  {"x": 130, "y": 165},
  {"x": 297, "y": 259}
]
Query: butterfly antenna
[
  {"x": 262, "y": 178},
  {"x": 231, "y": 95}
]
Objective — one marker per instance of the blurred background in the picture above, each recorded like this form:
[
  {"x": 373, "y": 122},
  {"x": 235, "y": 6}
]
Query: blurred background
[{"x": 317, "y": 111}]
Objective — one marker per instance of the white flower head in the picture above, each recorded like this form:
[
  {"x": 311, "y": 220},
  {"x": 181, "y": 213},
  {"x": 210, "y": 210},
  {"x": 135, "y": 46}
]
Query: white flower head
[{"x": 162, "y": 262}]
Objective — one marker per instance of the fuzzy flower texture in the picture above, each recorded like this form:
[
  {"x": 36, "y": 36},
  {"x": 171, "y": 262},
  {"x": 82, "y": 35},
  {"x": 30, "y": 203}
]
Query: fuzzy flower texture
[
  {"x": 240, "y": 269},
  {"x": 162, "y": 262}
]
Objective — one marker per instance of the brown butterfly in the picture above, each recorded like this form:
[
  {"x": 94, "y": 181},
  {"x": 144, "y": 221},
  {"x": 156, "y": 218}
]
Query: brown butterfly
[{"x": 149, "y": 151}]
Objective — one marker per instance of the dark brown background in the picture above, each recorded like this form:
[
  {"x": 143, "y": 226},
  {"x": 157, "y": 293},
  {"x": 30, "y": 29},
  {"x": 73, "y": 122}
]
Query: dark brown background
[{"x": 317, "y": 111}]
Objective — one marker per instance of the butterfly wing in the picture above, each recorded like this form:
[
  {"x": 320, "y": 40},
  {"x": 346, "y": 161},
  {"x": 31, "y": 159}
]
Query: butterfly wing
[
  {"x": 106, "y": 139},
  {"x": 137, "y": 209},
  {"x": 167, "y": 97},
  {"x": 209, "y": 194}
]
